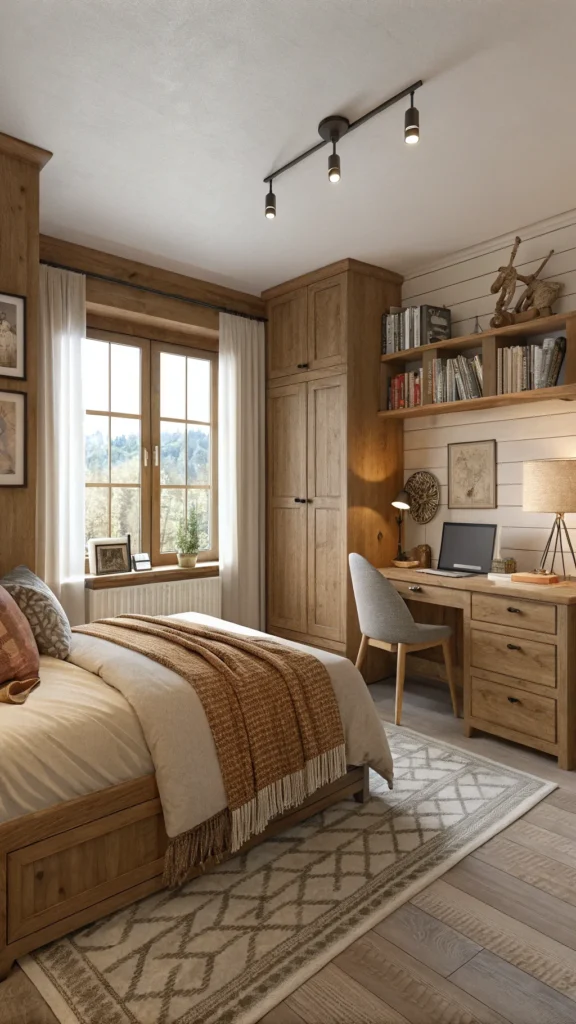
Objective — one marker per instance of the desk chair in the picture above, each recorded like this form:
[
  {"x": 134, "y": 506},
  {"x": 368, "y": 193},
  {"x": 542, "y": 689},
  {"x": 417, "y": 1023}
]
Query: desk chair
[{"x": 386, "y": 622}]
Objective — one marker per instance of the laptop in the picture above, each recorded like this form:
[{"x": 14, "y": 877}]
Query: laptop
[{"x": 466, "y": 550}]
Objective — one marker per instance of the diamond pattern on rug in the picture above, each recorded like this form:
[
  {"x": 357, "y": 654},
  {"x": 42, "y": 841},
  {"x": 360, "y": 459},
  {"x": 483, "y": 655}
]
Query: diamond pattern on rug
[{"x": 211, "y": 952}]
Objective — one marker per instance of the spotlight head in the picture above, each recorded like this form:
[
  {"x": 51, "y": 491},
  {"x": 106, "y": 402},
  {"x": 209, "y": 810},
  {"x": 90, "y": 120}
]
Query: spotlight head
[
  {"x": 334, "y": 167},
  {"x": 270, "y": 209},
  {"x": 411, "y": 125}
]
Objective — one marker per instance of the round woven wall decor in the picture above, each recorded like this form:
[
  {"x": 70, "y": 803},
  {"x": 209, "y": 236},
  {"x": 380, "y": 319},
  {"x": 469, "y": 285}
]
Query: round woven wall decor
[{"x": 424, "y": 491}]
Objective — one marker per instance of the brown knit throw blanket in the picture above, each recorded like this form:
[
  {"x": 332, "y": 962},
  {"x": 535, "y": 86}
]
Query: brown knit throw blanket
[{"x": 273, "y": 716}]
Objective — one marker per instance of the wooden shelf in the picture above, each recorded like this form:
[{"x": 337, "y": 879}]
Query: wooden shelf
[
  {"x": 159, "y": 574},
  {"x": 526, "y": 330},
  {"x": 567, "y": 392}
]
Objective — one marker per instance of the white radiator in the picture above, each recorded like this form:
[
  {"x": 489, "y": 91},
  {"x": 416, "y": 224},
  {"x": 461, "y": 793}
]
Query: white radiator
[{"x": 201, "y": 595}]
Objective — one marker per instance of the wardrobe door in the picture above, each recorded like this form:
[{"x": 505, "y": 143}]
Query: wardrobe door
[
  {"x": 327, "y": 319},
  {"x": 327, "y": 572},
  {"x": 287, "y": 507},
  {"x": 287, "y": 342}
]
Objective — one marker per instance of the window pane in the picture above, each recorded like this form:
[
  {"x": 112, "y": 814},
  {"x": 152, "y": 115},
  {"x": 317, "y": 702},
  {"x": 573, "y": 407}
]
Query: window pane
[
  {"x": 125, "y": 450},
  {"x": 171, "y": 516},
  {"x": 173, "y": 386},
  {"x": 97, "y": 521},
  {"x": 95, "y": 355},
  {"x": 198, "y": 455},
  {"x": 125, "y": 378},
  {"x": 201, "y": 499},
  {"x": 96, "y": 449},
  {"x": 199, "y": 389},
  {"x": 126, "y": 514},
  {"x": 172, "y": 453}
]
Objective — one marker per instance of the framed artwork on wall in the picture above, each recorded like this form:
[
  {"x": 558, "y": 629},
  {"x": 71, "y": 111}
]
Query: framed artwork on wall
[
  {"x": 472, "y": 474},
  {"x": 12, "y": 439},
  {"x": 12, "y": 336}
]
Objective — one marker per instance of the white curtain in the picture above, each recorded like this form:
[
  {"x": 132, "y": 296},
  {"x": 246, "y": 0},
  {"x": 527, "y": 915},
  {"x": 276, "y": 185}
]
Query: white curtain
[
  {"x": 60, "y": 500},
  {"x": 241, "y": 462}
]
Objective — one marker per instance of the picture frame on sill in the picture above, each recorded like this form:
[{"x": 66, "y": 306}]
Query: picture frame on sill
[
  {"x": 13, "y": 422},
  {"x": 107, "y": 555},
  {"x": 141, "y": 562},
  {"x": 472, "y": 475},
  {"x": 12, "y": 336}
]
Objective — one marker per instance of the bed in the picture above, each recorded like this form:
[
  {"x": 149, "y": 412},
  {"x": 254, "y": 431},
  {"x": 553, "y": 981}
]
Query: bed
[{"x": 81, "y": 821}]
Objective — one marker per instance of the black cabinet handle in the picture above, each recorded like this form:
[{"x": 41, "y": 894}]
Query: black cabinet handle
[
  {"x": 416, "y": 589},
  {"x": 300, "y": 501},
  {"x": 514, "y": 700},
  {"x": 302, "y": 366},
  {"x": 513, "y": 647},
  {"x": 515, "y": 610}
]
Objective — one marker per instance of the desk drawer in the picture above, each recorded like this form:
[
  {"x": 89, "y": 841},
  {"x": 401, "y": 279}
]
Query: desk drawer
[
  {"x": 510, "y": 708},
  {"x": 418, "y": 591},
  {"x": 511, "y": 611},
  {"x": 525, "y": 659}
]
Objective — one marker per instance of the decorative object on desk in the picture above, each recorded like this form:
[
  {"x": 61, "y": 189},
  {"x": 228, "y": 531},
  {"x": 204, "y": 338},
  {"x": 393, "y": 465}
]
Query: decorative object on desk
[
  {"x": 402, "y": 503},
  {"x": 536, "y": 300},
  {"x": 423, "y": 491},
  {"x": 540, "y": 578},
  {"x": 188, "y": 539},
  {"x": 407, "y": 564},
  {"x": 141, "y": 562},
  {"x": 422, "y": 554},
  {"x": 12, "y": 336},
  {"x": 12, "y": 439},
  {"x": 109, "y": 554},
  {"x": 503, "y": 566},
  {"x": 549, "y": 485},
  {"x": 472, "y": 474}
]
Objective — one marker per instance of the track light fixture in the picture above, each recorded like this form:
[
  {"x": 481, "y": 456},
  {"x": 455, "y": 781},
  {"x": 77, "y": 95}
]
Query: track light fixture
[
  {"x": 331, "y": 130},
  {"x": 270, "y": 204},
  {"x": 411, "y": 123}
]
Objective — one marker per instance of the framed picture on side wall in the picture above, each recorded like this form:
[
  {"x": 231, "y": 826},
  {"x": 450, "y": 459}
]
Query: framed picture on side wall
[
  {"x": 12, "y": 336},
  {"x": 472, "y": 474},
  {"x": 12, "y": 439}
]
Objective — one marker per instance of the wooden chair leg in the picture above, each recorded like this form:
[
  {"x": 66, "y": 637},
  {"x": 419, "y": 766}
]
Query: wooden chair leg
[
  {"x": 400, "y": 673},
  {"x": 362, "y": 651},
  {"x": 450, "y": 675}
]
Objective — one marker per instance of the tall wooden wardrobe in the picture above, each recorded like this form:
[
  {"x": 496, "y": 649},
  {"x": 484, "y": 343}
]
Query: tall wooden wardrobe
[{"x": 333, "y": 466}]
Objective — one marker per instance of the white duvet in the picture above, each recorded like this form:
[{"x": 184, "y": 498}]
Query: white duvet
[{"x": 78, "y": 731}]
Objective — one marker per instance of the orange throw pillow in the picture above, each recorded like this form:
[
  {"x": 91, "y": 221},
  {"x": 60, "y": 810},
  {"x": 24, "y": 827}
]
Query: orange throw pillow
[{"x": 19, "y": 663}]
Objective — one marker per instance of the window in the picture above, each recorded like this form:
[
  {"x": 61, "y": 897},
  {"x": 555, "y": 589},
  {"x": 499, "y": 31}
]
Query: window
[{"x": 150, "y": 442}]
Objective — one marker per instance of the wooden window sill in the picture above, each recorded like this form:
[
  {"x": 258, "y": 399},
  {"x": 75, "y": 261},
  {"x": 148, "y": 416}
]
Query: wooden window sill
[{"x": 160, "y": 574}]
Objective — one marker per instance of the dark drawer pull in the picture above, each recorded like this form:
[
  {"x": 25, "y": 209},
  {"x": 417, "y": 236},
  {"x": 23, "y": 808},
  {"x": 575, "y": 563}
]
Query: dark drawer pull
[
  {"x": 514, "y": 700},
  {"x": 415, "y": 589},
  {"x": 515, "y": 610},
  {"x": 302, "y": 366},
  {"x": 301, "y": 501},
  {"x": 513, "y": 647}
]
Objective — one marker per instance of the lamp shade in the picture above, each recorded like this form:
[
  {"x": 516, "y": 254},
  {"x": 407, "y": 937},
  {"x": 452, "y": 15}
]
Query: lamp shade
[
  {"x": 402, "y": 500},
  {"x": 549, "y": 485}
]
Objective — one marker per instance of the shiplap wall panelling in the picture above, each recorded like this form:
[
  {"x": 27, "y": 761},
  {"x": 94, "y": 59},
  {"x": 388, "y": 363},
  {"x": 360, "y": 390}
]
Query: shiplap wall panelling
[{"x": 545, "y": 430}]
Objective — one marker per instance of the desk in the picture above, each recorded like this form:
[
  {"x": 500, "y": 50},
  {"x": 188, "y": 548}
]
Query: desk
[{"x": 517, "y": 657}]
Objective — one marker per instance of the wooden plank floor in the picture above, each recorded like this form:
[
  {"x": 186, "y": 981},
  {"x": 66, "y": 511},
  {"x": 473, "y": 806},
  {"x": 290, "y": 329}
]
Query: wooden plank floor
[{"x": 491, "y": 942}]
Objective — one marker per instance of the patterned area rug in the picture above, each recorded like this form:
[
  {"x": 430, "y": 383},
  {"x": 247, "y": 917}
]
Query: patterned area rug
[{"x": 232, "y": 944}]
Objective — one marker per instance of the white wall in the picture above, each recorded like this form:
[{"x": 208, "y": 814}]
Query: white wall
[{"x": 542, "y": 430}]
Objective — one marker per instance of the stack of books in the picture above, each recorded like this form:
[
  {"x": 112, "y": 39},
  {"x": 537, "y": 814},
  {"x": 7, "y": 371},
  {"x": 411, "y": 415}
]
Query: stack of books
[
  {"x": 529, "y": 367},
  {"x": 455, "y": 380},
  {"x": 405, "y": 390},
  {"x": 414, "y": 326}
]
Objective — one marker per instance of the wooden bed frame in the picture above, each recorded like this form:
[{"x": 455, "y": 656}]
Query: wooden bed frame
[{"x": 71, "y": 864}]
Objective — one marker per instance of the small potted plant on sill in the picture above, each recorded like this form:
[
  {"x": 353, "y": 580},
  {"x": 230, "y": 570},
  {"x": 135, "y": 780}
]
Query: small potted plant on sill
[{"x": 188, "y": 539}]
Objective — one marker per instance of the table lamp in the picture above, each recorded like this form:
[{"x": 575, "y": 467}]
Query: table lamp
[
  {"x": 402, "y": 503},
  {"x": 550, "y": 486}
]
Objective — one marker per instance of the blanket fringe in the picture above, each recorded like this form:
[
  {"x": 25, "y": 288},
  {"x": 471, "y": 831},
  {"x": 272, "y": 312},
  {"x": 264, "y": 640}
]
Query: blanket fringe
[{"x": 208, "y": 842}]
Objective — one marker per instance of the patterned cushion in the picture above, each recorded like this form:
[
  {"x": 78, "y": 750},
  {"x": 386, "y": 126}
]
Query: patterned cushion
[
  {"x": 44, "y": 612},
  {"x": 18, "y": 653}
]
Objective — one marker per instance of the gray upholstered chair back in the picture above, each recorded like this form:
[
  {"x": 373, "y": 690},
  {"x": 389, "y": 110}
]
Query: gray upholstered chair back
[{"x": 381, "y": 611}]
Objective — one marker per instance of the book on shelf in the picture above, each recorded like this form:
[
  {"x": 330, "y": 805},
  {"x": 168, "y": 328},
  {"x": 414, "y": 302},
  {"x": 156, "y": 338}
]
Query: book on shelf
[
  {"x": 529, "y": 367},
  {"x": 414, "y": 326},
  {"x": 405, "y": 390},
  {"x": 456, "y": 379}
]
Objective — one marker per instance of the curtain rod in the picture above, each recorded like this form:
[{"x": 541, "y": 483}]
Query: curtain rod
[{"x": 156, "y": 291}]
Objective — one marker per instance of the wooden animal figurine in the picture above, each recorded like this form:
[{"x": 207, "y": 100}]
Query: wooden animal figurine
[
  {"x": 505, "y": 283},
  {"x": 538, "y": 296}
]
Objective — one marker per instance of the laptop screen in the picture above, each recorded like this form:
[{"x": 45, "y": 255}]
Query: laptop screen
[{"x": 467, "y": 547}]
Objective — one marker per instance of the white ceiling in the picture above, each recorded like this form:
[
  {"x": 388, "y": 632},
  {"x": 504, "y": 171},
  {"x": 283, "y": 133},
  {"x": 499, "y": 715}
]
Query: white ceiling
[{"x": 165, "y": 115}]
